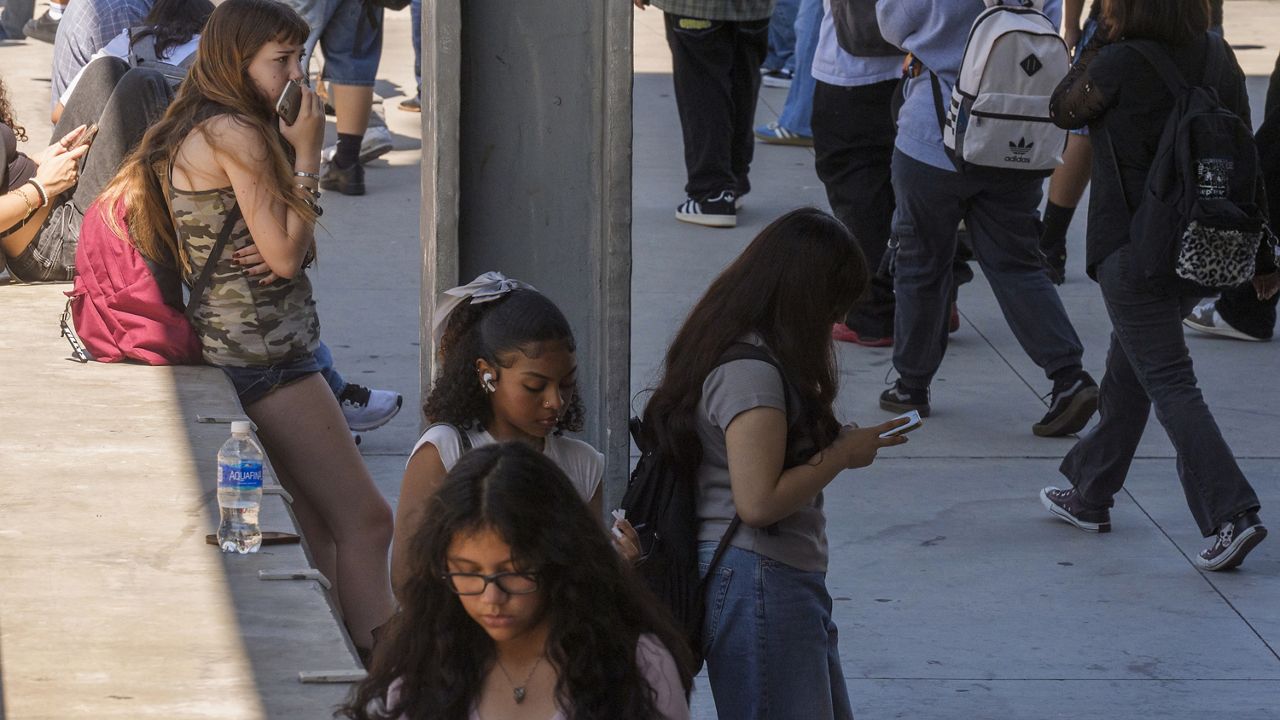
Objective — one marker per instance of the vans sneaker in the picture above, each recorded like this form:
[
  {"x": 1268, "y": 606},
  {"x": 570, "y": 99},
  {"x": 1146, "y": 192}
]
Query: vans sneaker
[
  {"x": 375, "y": 144},
  {"x": 1206, "y": 319},
  {"x": 1069, "y": 506},
  {"x": 1074, "y": 400},
  {"x": 718, "y": 211},
  {"x": 777, "y": 78},
  {"x": 366, "y": 409},
  {"x": 901, "y": 398},
  {"x": 1234, "y": 540},
  {"x": 775, "y": 134}
]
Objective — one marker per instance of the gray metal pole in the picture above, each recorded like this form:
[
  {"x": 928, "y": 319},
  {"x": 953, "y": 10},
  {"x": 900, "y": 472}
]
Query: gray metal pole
[{"x": 526, "y": 169}]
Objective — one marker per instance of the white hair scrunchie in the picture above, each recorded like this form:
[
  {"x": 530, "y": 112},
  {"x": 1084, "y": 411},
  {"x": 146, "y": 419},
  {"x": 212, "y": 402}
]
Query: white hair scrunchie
[{"x": 485, "y": 288}]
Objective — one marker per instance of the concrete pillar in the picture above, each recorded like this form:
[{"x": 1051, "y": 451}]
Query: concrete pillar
[{"x": 526, "y": 169}]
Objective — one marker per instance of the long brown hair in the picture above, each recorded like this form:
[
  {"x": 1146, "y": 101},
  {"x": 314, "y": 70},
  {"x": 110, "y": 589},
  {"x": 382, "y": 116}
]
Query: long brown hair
[
  {"x": 1173, "y": 22},
  {"x": 6, "y": 114},
  {"x": 218, "y": 83},
  {"x": 800, "y": 274}
]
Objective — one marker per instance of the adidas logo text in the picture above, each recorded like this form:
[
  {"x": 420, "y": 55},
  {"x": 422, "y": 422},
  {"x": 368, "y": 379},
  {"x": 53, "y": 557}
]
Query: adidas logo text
[{"x": 1018, "y": 151}]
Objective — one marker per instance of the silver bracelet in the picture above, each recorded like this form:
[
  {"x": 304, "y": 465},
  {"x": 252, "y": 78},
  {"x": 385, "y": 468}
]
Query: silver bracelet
[
  {"x": 305, "y": 174},
  {"x": 315, "y": 194},
  {"x": 44, "y": 194}
]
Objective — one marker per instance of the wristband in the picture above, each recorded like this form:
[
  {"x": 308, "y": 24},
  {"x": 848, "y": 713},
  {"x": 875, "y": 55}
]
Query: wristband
[
  {"x": 44, "y": 195},
  {"x": 305, "y": 174},
  {"x": 315, "y": 194}
]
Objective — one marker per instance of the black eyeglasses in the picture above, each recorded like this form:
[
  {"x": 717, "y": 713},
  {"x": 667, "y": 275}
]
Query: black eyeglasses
[{"x": 511, "y": 583}]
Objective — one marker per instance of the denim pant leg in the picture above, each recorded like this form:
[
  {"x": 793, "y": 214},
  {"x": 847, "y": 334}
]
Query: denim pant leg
[
  {"x": 1149, "y": 330},
  {"x": 15, "y": 14},
  {"x": 715, "y": 71},
  {"x": 782, "y": 36},
  {"x": 1004, "y": 227},
  {"x": 415, "y": 12},
  {"x": 930, "y": 203},
  {"x": 770, "y": 642},
  {"x": 853, "y": 136},
  {"x": 324, "y": 358},
  {"x": 797, "y": 111},
  {"x": 1242, "y": 309}
]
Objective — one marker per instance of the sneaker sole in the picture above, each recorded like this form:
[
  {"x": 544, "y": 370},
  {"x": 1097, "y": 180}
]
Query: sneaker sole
[
  {"x": 1247, "y": 541},
  {"x": 720, "y": 221},
  {"x": 1076, "y": 416},
  {"x": 904, "y": 407},
  {"x": 375, "y": 153},
  {"x": 366, "y": 427},
  {"x": 1231, "y": 333},
  {"x": 780, "y": 84},
  {"x": 797, "y": 141},
  {"x": 1057, "y": 511}
]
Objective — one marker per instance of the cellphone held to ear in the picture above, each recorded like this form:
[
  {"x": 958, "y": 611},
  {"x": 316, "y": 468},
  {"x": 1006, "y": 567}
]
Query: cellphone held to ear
[
  {"x": 915, "y": 421},
  {"x": 290, "y": 102}
]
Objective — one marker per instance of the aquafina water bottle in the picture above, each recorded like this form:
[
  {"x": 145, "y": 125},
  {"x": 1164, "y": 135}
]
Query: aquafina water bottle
[{"x": 239, "y": 491}]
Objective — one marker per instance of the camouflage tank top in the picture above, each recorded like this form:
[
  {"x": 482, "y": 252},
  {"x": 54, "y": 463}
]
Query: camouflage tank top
[{"x": 241, "y": 323}]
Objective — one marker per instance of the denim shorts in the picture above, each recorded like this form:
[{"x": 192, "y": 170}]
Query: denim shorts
[
  {"x": 349, "y": 38},
  {"x": 254, "y": 383},
  {"x": 51, "y": 254}
]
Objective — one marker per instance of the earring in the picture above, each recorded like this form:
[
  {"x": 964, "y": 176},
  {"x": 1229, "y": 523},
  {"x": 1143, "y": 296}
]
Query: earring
[{"x": 486, "y": 381}]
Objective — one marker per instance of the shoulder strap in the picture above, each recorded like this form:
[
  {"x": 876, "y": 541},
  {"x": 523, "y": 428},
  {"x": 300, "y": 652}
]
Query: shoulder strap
[
  {"x": 1158, "y": 58},
  {"x": 206, "y": 273},
  {"x": 1215, "y": 57},
  {"x": 463, "y": 437}
]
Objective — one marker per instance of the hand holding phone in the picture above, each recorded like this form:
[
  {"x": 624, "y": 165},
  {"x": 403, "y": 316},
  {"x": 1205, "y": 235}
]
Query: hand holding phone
[
  {"x": 290, "y": 102},
  {"x": 913, "y": 421},
  {"x": 86, "y": 137}
]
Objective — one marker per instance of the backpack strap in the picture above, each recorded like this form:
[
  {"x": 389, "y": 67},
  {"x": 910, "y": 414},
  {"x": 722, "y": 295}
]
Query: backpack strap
[
  {"x": 463, "y": 437},
  {"x": 224, "y": 236},
  {"x": 1158, "y": 58}
]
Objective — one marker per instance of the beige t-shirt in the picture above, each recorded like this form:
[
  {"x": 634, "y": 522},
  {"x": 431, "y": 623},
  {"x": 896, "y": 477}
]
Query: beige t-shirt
[{"x": 582, "y": 463}]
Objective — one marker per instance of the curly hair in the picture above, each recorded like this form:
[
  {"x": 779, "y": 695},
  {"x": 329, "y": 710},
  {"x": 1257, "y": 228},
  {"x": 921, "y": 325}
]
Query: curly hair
[
  {"x": 524, "y": 320},
  {"x": 597, "y": 611},
  {"x": 6, "y": 114}
]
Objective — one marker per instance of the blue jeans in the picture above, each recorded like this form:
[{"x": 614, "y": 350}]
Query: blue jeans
[
  {"x": 999, "y": 208},
  {"x": 415, "y": 12},
  {"x": 350, "y": 39},
  {"x": 770, "y": 642},
  {"x": 782, "y": 36},
  {"x": 254, "y": 383},
  {"x": 1148, "y": 365},
  {"x": 324, "y": 358},
  {"x": 797, "y": 111}
]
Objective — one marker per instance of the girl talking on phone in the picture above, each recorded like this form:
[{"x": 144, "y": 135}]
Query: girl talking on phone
[{"x": 221, "y": 158}]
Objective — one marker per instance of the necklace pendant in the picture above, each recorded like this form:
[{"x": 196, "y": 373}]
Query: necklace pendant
[{"x": 519, "y": 694}]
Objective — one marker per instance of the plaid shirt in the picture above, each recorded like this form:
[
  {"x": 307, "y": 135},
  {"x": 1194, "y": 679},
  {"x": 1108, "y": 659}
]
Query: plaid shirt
[
  {"x": 86, "y": 26},
  {"x": 736, "y": 10}
]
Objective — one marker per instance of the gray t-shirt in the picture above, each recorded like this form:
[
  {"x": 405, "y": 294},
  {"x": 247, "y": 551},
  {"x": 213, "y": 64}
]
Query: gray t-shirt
[{"x": 800, "y": 539}]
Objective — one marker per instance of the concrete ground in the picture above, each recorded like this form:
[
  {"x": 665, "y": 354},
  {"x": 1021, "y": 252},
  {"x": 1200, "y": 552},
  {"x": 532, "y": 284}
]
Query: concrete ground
[{"x": 957, "y": 597}]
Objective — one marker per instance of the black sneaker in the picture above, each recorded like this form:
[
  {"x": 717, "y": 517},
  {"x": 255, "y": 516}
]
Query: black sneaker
[
  {"x": 348, "y": 181},
  {"x": 901, "y": 398},
  {"x": 1068, "y": 505},
  {"x": 718, "y": 211},
  {"x": 1234, "y": 540},
  {"x": 1074, "y": 400},
  {"x": 43, "y": 28}
]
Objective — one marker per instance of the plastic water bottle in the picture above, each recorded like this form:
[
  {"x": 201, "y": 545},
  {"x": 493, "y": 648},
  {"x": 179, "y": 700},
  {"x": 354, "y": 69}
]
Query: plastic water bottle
[{"x": 239, "y": 491}]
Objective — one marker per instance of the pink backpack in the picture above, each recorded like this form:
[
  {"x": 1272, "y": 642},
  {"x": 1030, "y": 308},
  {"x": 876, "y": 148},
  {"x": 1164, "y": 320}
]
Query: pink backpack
[{"x": 117, "y": 308}]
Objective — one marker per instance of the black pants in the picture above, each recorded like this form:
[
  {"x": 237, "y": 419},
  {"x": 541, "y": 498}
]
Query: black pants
[
  {"x": 716, "y": 69},
  {"x": 853, "y": 134}
]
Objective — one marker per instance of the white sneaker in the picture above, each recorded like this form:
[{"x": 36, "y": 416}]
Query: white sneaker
[
  {"x": 376, "y": 143},
  {"x": 1206, "y": 318},
  {"x": 366, "y": 409}
]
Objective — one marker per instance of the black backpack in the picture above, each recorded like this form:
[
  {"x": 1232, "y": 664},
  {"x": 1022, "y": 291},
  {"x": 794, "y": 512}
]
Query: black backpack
[
  {"x": 1198, "y": 227},
  {"x": 858, "y": 30},
  {"x": 662, "y": 507}
]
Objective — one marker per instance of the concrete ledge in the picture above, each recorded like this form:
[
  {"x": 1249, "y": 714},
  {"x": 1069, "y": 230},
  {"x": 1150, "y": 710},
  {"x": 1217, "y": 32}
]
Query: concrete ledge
[{"x": 111, "y": 604}]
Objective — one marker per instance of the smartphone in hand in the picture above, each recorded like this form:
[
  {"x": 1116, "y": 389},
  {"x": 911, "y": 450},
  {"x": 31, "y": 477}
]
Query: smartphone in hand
[
  {"x": 86, "y": 137},
  {"x": 290, "y": 102},
  {"x": 914, "y": 419}
]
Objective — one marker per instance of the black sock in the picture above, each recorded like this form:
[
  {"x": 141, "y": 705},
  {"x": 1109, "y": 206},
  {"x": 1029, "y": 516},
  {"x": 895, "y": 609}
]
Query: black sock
[
  {"x": 1057, "y": 220},
  {"x": 348, "y": 153}
]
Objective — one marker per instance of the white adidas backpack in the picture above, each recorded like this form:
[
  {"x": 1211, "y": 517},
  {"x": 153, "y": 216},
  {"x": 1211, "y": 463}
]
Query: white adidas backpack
[{"x": 999, "y": 111}]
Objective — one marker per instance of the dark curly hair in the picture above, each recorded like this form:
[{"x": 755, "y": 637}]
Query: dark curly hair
[
  {"x": 524, "y": 321},
  {"x": 597, "y": 609},
  {"x": 6, "y": 114}
]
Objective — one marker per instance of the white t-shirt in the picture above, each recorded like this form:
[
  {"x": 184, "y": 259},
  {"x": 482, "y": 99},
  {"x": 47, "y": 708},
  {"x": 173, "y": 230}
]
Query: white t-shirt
[
  {"x": 119, "y": 48},
  {"x": 582, "y": 463}
]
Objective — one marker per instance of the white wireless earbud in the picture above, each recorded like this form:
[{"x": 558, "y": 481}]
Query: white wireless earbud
[{"x": 486, "y": 380}]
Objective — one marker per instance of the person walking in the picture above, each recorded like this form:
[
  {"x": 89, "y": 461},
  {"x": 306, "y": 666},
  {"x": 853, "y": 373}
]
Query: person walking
[
  {"x": 1125, "y": 101},
  {"x": 999, "y": 208}
]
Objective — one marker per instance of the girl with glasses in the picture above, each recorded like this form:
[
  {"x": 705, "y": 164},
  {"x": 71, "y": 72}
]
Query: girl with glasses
[{"x": 516, "y": 606}]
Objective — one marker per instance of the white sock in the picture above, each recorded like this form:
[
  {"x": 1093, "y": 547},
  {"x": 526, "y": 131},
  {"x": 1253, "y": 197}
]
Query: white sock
[{"x": 55, "y": 10}]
